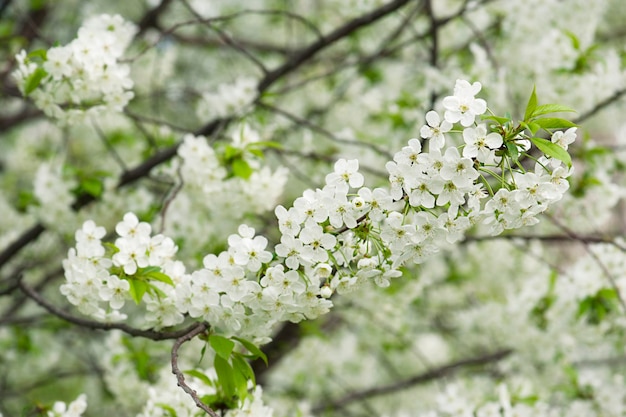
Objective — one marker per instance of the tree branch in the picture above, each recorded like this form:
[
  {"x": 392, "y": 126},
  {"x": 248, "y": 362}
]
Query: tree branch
[
  {"x": 193, "y": 332},
  {"x": 341, "y": 32},
  {"x": 96, "y": 325},
  {"x": 427, "y": 376},
  {"x": 165, "y": 155}
]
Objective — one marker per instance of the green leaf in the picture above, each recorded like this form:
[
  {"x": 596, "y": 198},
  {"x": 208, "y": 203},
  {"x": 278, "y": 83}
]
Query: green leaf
[
  {"x": 551, "y": 108},
  {"x": 221, "y": 345},
  {"x": 531, "y": 106},
  {"x": 25, "y": 199},
  {"x": 512, "y": 150},
  {"x": 225, "y": 376},
  {"x": 201, "y": 376},
  {"x": 137, "y": 289},
  {"x": 33, "y": 80},
  {"x": 92, "y": 186},
  {"x": 38, "y": 54},
  {"x": 210, "y": 400},
  {"x": 552, "y": 150},
  {"x": 159, "y": 276},
  {"x": 241, "y": 168},
  {"x": 554, "y": 123},
  {"x": 498, "y": 119},
  {"x": 239, "y": 378},
  {"x": 265, "y": 144},
  {"x": 241, "y": 365},
  {"x": 252, "y": 348},
  {"x": 111, "y": 247},
  {"x": 256, "y": 152},
  {"x": 231, "y": 152},
  {"x": 171, "y": 412},
  {"x": 573, "y": 38}
]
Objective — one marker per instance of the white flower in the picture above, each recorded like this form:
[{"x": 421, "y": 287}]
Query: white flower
[
  {"x": 462, "y": 106},
  {"x": 435, "y": 130},
  {"x": 479, "y": 144},
  {"x": 248, "y": 251},
  {"x": 564, "y": 139},
  {"x": 458, "y": 170},
  {"x": 346, "y": 175}
]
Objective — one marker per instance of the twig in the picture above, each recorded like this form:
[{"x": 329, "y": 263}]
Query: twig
[
  {"x": 601, "y": 105},
  {"x": 427, "y": 376},
  {"x": 304, "y": 122},
  {"x": 595, "y": 257},
  {"x": 165, "y": 155},
  {"x": 193, "y": 332},
  {"x": 91, "y": 324},
  {"x": 307, "y": 53}
]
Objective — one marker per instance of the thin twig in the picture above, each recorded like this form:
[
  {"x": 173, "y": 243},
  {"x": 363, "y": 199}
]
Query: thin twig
[
  {"x": 91, "y": 324},
  {"x": 165, "y": 155},
  {"x": 427, "y": 376},
  {"x": 316, "y": 128},
  {"x": 595, "y": 257},
  {"x": 193, "y": 332}
]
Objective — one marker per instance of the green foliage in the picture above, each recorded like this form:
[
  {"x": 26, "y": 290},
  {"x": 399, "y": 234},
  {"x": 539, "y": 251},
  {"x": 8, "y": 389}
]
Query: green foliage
[
  {"x": 241, "y": 168},
  {"x": 233, "y": 370},
  {"x": 138, "y": 353},
  {"x": 141, "y": 281},
  {"x": 552, "y": 150},
  {"x": 595, "y": 308},
  {"x": 221, "y": 345},
  {"x": 33, "y": 80}
]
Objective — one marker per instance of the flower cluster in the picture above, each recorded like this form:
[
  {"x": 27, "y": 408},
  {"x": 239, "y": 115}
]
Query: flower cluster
[
  {"x": 228, "y": 100},
  {"x": 332, "y": 238},
  {"x": 75, "y": 409},
  {"x": 233, "y": 176},
  {"x": 83, "y": 77},
  {"x": 600, "y": 399},
  {"x": 137, "y": 266}
]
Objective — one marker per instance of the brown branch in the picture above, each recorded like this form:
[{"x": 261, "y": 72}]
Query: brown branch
[
  {"x": 316, "y": 128},
  {"x": 151, "y": 18},
  {"x": 427, "y": 376},
  {"x": 547, "y": 238},
  {"x": 26, "y": 238},
  {"x": 595, "y": 257},
  {"x": 246, "y": 43},
  {"x": 165, "y": 155},
  {"x": 600, "y": 106},
  {"x": 193, "y": 332},
  {"x": 96, "y": 325},
  {"x": 341, "y": 32}
]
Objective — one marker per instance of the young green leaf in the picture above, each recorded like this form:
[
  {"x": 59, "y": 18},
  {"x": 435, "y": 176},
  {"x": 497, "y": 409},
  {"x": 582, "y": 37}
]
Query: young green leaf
[
  {"x": 33, "y": 80},
  {"x": 552, "y": 150},
  {"x": 512, "y": 151},
  {"x": 201, "y": 376},
  {"x": 225, "y": 376},
  {"x": 170, "y": 411},
  {"x": 241, "y": 365},
  {"x": 252, "y": 348},
  {"x": 230, "y": 152},
  {"x": 551, "y": 108},
  {"x": 531, "y": 106},
  {"x": 160, "y": 276},
  {"x": 38, "y": 54},
  {"x": 92, "y": 186},
  {"x": 498, "y": 119},
  {"x": 240, "y": 377},
  {"x": 265, "y": 144},
  {"x": 554, "y": 123},
  {"x": 221, "y": 345},
  {"x": 137, "y": 289},
  {"x": 241, "y": 168}
]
